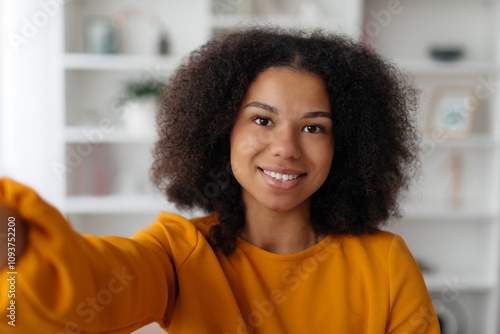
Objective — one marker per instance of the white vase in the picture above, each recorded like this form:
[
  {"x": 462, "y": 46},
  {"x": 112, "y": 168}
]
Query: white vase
[
  {"x": 139, "y": 117},
  {"x": 140, "y": 35}
]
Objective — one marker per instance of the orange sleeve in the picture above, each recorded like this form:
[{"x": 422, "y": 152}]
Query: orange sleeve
[
  {"x": 411, "y": 306},
  {"x": 72, "y": 283}
]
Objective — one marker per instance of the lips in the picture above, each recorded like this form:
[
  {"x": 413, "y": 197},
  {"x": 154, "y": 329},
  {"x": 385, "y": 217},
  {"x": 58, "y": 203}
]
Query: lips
[{"x": 281, "y": 178}]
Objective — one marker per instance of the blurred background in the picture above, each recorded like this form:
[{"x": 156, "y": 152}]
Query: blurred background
[{"x": 79, "y": 80}]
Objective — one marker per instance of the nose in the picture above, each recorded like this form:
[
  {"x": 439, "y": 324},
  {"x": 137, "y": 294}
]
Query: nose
[{"x": 286, "y": 144}]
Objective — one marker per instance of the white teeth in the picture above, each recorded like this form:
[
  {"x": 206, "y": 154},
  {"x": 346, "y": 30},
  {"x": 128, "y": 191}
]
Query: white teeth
[{"x": 281, "y": 177}]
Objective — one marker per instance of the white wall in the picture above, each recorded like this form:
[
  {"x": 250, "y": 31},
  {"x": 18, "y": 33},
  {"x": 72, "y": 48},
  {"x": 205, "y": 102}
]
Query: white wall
[{"x": 29, "y": 83}]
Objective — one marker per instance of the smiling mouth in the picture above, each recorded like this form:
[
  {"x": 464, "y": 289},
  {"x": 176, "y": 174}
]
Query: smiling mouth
[{"x": 281, "y": 177}]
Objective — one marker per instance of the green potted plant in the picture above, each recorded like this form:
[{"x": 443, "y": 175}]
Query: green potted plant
[{"x": 139, "y": 103}]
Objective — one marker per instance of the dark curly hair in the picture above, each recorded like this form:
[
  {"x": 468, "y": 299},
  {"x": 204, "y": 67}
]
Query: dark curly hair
[{"x": 373, "y": 106}]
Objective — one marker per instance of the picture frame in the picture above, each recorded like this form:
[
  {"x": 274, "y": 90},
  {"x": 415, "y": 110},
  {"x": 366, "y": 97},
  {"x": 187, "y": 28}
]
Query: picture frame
[{"x": 451, "y": 112}]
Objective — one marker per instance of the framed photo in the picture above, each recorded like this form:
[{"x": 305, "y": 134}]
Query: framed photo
[{"x": 451, "y": 112}]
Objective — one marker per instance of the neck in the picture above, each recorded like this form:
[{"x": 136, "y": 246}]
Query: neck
[{"x": 279, "y": 232}]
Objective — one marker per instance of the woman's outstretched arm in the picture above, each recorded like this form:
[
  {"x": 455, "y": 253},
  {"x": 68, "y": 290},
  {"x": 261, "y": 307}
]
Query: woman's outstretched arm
[{"x": 64, "y": 282}]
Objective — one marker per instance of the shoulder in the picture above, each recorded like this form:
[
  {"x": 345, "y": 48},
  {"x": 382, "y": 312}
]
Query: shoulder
[
  {"x": 190, "y": 228},
  {"x": 176, "y": 235},
  {"x": 380, "y": 241},
  {"x": 203, "y": 224},
  {"x": 381, "y": 248},
  {"x": 172, "y": 223}
]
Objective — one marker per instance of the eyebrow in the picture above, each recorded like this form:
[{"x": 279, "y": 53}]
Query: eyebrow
[{"x": 309, "y": 114}]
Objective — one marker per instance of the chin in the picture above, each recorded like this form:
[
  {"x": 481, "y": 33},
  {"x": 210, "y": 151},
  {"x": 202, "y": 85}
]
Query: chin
[{"x": 279, "y": 206}]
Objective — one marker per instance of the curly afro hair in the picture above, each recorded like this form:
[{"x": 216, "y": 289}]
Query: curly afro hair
[{"x": 373, "y": 107}]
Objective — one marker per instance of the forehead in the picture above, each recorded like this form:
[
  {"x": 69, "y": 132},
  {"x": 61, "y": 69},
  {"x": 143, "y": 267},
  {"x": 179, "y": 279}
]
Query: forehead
[
  {"x": 287, "y": 76},
  {"x": 283, "y": 86}
]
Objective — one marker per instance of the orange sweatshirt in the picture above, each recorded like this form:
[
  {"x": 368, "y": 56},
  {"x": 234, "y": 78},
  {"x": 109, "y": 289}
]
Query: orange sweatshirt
[{"x": 168, "y": 273}]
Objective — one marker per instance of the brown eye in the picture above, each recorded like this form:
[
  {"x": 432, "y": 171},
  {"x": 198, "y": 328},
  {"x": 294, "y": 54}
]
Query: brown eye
[
  {"x": 313, "y": 128},
  {"x": 263, "y": 121}
]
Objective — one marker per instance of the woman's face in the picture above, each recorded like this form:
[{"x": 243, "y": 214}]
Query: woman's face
[{"x": 282, "y": 140}]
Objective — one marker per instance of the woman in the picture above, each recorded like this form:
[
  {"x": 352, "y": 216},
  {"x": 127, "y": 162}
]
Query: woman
[{"x": 297, "y": 145}]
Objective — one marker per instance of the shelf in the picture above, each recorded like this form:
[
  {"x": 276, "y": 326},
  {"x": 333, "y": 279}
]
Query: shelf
[
  {"x": 430, "y": 67},
  {"x": 117, "y": 204},
  {"x": 284, "y": 21},
  {"x": 472, "y": 143},
  {"x": 463, "y": 283},
  {"x": 77, "y": 134},
  {"x": 474, "y": 214},
  {"x": 119, "y": 62}
]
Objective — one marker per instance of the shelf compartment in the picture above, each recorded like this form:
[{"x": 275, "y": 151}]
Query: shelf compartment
[
  {"x": 155, "y": 16},
  {"x": 455, "y": 249},
  {"x": 482, "y": 123},
  {"x": 427, "y": 23},
  {"x": 97, "y": 169},
  {"x": 291, "y": 14},
  {"x": 96, "y": 96},
  {"x": 454, "y": 181}
]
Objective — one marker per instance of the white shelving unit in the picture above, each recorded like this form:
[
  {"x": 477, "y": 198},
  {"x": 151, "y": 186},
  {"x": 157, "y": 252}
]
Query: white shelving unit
[
  {"x": 459, "y": 246},
  {"x": 99, "y": 148}
]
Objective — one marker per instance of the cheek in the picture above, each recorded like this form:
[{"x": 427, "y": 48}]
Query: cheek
[{"x": 245, "y": 145}]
